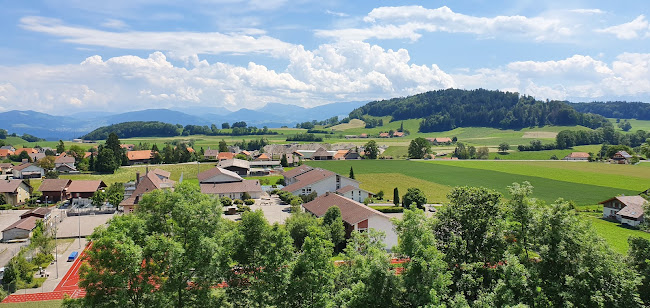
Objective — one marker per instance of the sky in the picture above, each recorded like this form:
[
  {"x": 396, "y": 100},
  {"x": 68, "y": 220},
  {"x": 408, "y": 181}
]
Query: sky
[{"x": 69, "y": 56}]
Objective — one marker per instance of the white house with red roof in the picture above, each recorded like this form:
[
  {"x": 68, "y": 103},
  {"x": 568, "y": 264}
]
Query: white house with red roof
[
  {"x": 319, "y": 180},
  {"x": 356, "y": 216},
  {"x": 354, "y": 193}
]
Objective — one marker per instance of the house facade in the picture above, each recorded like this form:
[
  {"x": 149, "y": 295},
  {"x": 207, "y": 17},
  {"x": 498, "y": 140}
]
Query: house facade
[
  {"x": 225, "y": 183},
  {"x": 577, "y": 156},
  {"x": 152, "y": 180},
  {"x": 85, "y": 189},
  {"x": 55, "y": 190},
  {"x": 28, "y": 171},
  {"x": 625, "y": 209},
  {"x": 356, "y": 216},
  {"x": 320, "y": 181},
  {"x": 15, "y": 192},
  {"x": 354, "y": 193},
  {"x": 622, "y": 157},
  {"x": 21, "y": 229},
  {"x": 139, "y": 157}
]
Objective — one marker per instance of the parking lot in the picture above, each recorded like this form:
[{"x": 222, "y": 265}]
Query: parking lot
[{"x": 273, "y": 208}]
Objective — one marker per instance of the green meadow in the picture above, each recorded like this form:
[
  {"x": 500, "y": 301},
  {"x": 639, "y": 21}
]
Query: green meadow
[{"x": 580, "y": 182}]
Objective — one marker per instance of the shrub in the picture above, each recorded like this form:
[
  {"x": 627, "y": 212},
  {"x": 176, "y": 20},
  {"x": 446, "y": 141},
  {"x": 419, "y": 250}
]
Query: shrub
[
  {"x": 243, "y": 208},
  {"x": 388, "y": 209},
  {"x": 238, "y": 202},
  {"x": 249, "y": 201},
  {"x": 225, "y": 201}
]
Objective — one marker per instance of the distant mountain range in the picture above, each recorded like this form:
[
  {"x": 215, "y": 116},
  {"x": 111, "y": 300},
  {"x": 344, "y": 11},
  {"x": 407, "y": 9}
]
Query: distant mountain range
[{"x": 75, "y": 125}]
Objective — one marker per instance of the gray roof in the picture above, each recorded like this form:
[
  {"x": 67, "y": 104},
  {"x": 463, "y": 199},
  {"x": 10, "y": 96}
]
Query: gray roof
[{"x": 235, "y": 163}]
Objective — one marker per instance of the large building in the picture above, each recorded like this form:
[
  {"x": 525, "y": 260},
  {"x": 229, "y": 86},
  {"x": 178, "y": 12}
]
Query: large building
[
  {"x": 239, "y": 166},
  {"x": 225, "y": 183},
  {"x": 85, "y": 189},
  {"x": 28, "y": 171},
  {"x": 316, "y": 180},
  {"x": 356, "y": 216},
  {"x": 21, "y": 229},
  {"x": 55, "y": 190}
]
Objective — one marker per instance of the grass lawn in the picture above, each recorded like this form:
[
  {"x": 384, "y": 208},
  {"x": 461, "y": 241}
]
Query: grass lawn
[
  {"x": 551, "y": 180},
  {"x": 614, "y": 234},
  {"x": 41, "y": 304},
  {"x": 125, "y": 174}
]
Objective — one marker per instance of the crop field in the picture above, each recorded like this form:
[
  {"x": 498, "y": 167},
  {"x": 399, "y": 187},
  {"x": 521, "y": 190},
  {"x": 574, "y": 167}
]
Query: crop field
[{"x": 583, "y": 183}]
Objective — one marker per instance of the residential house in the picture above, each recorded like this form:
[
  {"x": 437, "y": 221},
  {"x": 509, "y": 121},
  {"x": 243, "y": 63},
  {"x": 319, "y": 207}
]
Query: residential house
[
  {"x": 55, "y": 190},
  {"x": 319, "y": 180},
  {"x": 6, "y": 168},
  {"x": 8, "y": 147},
  {"x": 245, "y": 153},
  {"x": 384, "y": 135},
  {"x": 440, "y": 140},
  {"x": 36, "y": 156},
  {"x": 263, "y": 157},
  {"x": 225, "y": 155},
  {"x": 5, "y": 153},
  {"x": 322, "y": 154},
  {"x": 577, "y": 156},
  {"x": 65, "y": 164},
  {"x": 15, "y": 192},
  {"x": 65, "y": 168},
  {"x": 85, "y": 189},
  {"x": 152, "y": 180},
  {"x": 354, "y": 193},
  {"x": 239, "y": 166},
  {"x": 139, "y": 157},
  {"x": 364, "y": 135},
  {"x": 622, "y": 157},
  {"x": 225, "y": 183},
  {"x": 356, "y": 216},
  {"x": 626, "y": 209},
  {"x": 28, "y": 150},
  {"x": 128, "y": 147},
  {"x": 21, "y": 229},
  {"x": 210, "y": 154},
  {"x": 28, "y": 171},
  {"x": 398, "y": 134}
]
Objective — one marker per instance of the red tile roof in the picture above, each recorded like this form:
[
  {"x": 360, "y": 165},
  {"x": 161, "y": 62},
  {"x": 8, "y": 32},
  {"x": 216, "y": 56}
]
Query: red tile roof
[
  {"x": 28, "y": 224},
  {"x": 384, "y": 135},
  {"x": 80, "y": 186},
  {"x": 352, "y": 212},
  {"x": 263, "y": 156},
  {"x": 235, "y": 187},
  {"x": 162, "y": 173},
  {"x": 139, "y": 155},
  {"x": 149, "y": 182},
  {"x": 340, "y": 154},
  {"x": 57, "y": 185},
  {"x": 64, "y": 159},
  {"x": 398, "y": 134},
  {"x": 5, "y": 153},
  {"x": 28, "y": 150},
  {"x": 225, "y": 155}
]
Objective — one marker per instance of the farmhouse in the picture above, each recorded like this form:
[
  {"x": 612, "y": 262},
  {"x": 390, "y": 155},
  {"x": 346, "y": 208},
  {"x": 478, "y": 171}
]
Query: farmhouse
[
  {"x": 626, "y": 209},
  {"x": 6, "y": 168},
  {"x": 384, "y": 135},
  {"x": 319, "y": 180},
  {"x": 153, "y": 180},
  {"x": 354, "y": 193},
  {"x": 622, "y": 157},
  {"x": 21, "y": 229},
  {"x": 439, "y": 140},
  {"x": 85, "y": 189},
  {"x": 64, "y": 160},
  {"x": 55, "y": 190},
  {"x": 225, "y": 155},
  {"x": 28, "y": 171},
  {"x": 28, "y": 150},
  {"x": 340, "y": 154},
  {"x": 4, "y": 153},
  {"x": 239, "y": 166},
  {"x": 398, "y": 134},
  {"x": 225, "y": 183},
  {"x": 15, "y": 192},
  {"x": 355, "y": 216},
  {"x": 577, "y": 156},
  {"x": 263, "y": 157},
  {"x": 139, "y": 157},
  {"x": 210, "y": 154}
]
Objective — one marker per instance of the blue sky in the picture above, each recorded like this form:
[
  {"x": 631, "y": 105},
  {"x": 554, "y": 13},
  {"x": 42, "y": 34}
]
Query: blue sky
[{"x": 74, "y": 55}]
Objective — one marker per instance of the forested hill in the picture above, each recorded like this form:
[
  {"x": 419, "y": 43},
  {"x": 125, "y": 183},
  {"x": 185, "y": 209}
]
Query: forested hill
[
  {"x": 135, "y": 129},
  {"x": 447, "y": 109},
  {"x": 622, "y": 110}
]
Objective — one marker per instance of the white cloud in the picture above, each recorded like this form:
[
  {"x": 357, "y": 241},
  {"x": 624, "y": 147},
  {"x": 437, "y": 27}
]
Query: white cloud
[
  {"x": 114, "y": 24},
  {"x": 588, "y": 11},
  {"x": 636, "y": 28},
  {"x": 180, "y": 43},
  {"x": 338, "y": 14},
  {"x": 408, "y": 21}
]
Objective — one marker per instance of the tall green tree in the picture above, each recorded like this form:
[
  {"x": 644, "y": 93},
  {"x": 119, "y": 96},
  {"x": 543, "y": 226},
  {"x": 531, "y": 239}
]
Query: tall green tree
[
  {"x": 283, "y": 161},
  {"x": 106, "y": 161},
  {"x": 371, "y": 151},
  {"x": 414, "y": 196},
  {"x": 223, "y": 146},
  {"x": 639, "y": 260},
  {"x": 351, "y": 175},
  {"x": 333, "y": 224},
  {"x": 60, "y": 147},
  {"x": 312, "y": 275},
  {"x": 419, "y": 148},
  {"x": 396, "y": 196}
]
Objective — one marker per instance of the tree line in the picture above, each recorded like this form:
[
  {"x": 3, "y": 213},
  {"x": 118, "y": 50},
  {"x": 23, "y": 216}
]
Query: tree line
[
  {"x": 444, "y": 110},
  {"x": 160, "y": 129},
  {"x": 616, "y": 109},
  {"x": 481, "y": 250}
]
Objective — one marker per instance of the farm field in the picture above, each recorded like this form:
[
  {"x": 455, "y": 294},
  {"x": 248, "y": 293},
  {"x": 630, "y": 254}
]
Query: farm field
[
  {"x": 583, "y": 183},
  {"x": 636, "y": 124},
  {"x": 541, "y": 155}
]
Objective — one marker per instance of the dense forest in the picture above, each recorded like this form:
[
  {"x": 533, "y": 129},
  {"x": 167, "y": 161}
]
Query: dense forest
[
  {"x": 481, "y": 250},
  {"x": 160, "y": 129},
  {"x": 620, "y": 110},
  {"x": 135, "y": 129},
  {"x": 447, "y": 109}
]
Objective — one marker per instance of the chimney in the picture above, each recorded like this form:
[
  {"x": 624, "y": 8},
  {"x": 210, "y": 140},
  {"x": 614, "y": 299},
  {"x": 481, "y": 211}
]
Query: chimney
[{"x": 137, "y": 178}]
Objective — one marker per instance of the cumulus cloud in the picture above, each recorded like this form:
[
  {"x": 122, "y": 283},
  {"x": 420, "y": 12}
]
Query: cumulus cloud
[
  {"x": 588, "y": 11},
  {"x": 181, "y": 43},
  {"x": 408, "y": 21},
  {"x": 637, "y": 28}
]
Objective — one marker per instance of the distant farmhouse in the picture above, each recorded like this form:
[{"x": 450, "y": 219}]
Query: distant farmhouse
[{"x": 626, "y": 209}]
